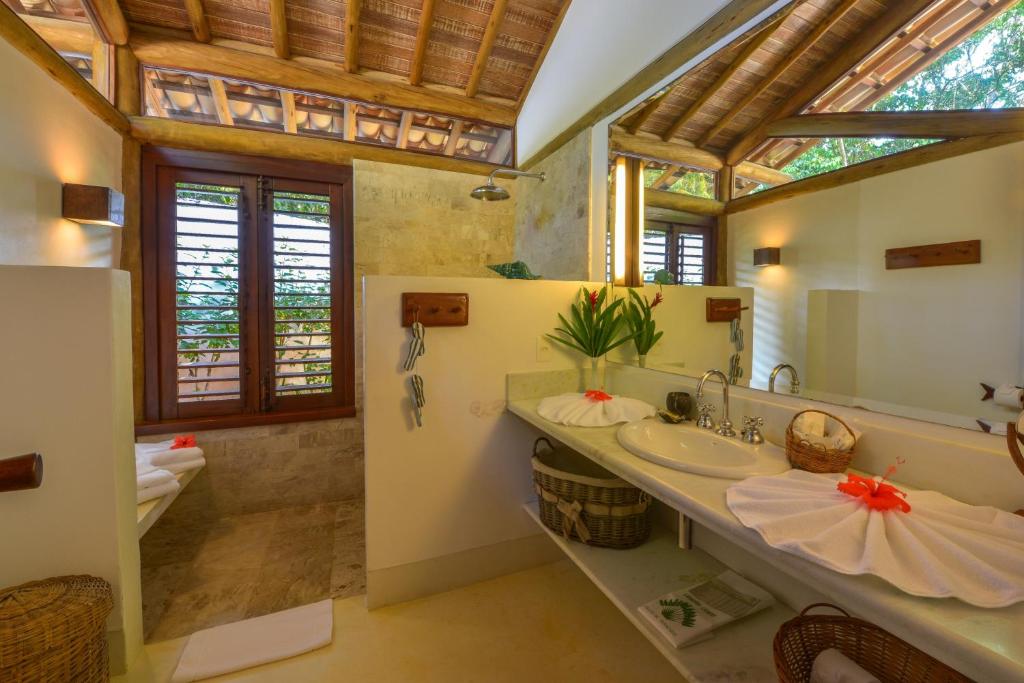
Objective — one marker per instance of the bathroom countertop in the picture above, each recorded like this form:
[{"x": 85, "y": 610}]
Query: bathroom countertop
[{"x": 985, "y": 644}]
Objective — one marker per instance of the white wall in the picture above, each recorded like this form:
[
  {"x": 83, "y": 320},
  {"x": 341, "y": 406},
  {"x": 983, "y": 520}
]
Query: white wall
[
  {"x": 67, "y": 394},
  {"x": 926, "y": 336},
  {"x": 48, "y": 138},
  {"x": 600, "y": 45}
]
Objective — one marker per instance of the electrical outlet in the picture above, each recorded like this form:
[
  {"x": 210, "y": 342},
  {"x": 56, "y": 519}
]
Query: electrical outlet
[{"x": 543, "y": 350}]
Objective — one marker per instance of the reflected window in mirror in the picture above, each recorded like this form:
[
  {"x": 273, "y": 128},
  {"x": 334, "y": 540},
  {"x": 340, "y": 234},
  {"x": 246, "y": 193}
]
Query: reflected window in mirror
[{"x": 684, "y": 252}]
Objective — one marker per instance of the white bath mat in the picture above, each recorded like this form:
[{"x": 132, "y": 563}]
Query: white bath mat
[
  {"x": 253, "y": 642},
  {"x": 941, "y": 548}
]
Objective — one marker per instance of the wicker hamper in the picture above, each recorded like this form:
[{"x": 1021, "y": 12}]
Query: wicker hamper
[
  {"x": 888, "y": 658},
  {"x": 585, "y": 502},
  {"x": 55, "y": 631}
]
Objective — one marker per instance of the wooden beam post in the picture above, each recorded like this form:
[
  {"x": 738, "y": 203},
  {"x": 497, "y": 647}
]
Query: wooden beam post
[
  {"x": 422, "y": 39},
  {"x": 796, "y": 53},
  {"x": 683, "y": 202},
  {"x": 279, "y": 29},
  {"x": 235, "y": 140},
  {"x": 161, "y": 50},
  {"x": 724, "y": 185},
  {"x": 127, "y": 83},
  {"x": 197, "y": 17},
  {"x": 291, "y": 122},
  {"x": 26, "y": 41},
  {"x": 452, "y": 143},
  {"x": 352, "y": 10},
  {"x": 900, "y": 124},
  {"x": 863, "y": 44},
  {"x": 103, "y": 69},
  {"x": 220, "y": 102},
  {"x": 754, "y": 43},
  {"x": 483, "y": 53},
  {"x": 108, "y": 20},
  {"x": 349, "y": 122},
  {"x": 402, "y": 139}
]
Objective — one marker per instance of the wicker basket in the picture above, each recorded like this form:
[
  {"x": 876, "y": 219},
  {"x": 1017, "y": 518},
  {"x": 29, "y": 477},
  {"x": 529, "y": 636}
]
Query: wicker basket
[
  {"x": 888, "y": 658},
  {"x": 55, "y": 630},
  {"x": 812, "y": 457},
  {"x": 584, "y": 502}
]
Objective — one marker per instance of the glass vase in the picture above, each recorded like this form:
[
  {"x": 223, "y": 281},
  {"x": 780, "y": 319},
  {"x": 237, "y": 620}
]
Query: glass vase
[
  {"x": 641, "y": 360},
  {"x": 595, "y": 374}
]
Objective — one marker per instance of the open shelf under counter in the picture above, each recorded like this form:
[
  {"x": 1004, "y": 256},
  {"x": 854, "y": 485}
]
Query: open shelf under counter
[
  {"x": 740, "y": 651},
  {"x": 984, "y": 644}
]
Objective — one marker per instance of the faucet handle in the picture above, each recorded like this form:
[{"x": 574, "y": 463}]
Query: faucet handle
[
  {"x": 752, "y": 430},
  {"x": 705, "y": 421},
  {"x": 753, "y": 422}
]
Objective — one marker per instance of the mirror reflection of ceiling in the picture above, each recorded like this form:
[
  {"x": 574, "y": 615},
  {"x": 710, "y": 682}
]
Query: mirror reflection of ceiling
[{"x": 721, "y": 106}]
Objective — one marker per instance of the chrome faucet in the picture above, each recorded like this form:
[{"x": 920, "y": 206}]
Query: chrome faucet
[
  {"x": 725, "y": 426},
  {"x": 794, "y": 385}
]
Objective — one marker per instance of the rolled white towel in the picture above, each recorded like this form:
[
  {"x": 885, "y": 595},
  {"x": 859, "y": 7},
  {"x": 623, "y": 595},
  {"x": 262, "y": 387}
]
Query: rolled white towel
[
  {"x": 1009, "y": 396},
  {"x": 825, "y": 431},
  {"x": 832, "y": 666},
  {"x": 147, "y": 476},
  {"x": 179, "y": 467},
  {"x": 143, "y": 495}
]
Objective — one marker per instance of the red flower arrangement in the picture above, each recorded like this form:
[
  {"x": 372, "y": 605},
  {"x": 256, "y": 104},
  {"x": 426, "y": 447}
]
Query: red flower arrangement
[
  {"x": 184, "y": 441},
  {"x": 877, "y": 495},
  {"x": 597, "y": 396}
]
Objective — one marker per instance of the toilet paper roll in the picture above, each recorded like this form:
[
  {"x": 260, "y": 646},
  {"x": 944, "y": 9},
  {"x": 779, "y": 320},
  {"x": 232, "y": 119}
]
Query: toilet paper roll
[{"x": 1009, "y": 396}]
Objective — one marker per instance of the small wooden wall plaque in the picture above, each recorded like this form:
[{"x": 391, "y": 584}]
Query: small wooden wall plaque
[
  {"x": 928, "y": 255},
  {"x": 435, "y": 309},
  {"x": 723, "y": 310}
]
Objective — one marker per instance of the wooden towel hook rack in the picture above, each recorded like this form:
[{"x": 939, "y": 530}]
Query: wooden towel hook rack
[{"x": 21, "y": 472}]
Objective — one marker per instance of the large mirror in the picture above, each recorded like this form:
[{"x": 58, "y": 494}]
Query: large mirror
[{"x": 814, "y": 172}]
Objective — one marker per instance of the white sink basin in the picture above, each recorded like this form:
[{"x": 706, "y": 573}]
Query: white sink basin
[{"x": 700, "y": 451}]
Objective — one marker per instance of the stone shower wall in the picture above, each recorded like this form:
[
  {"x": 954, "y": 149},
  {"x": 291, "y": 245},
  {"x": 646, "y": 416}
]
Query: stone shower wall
[{"x": 552, "y": 219}]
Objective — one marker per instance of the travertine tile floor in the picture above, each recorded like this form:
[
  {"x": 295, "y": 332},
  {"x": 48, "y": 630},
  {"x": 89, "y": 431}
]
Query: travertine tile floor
[
  {"x": 549, "y": 624},
  {"x": 203, "y": 575}
]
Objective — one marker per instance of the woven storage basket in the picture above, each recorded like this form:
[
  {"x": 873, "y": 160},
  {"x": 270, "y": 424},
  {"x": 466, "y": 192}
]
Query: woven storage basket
[
  {"x": 805, "y": 455},
  {"x": 888, "y": 658},
  {"x": 585, "y": 502},
  {"x": 55, "y": 631}
]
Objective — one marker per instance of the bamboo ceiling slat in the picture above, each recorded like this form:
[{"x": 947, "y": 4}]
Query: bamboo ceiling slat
[{"x": 387, "y": 33}]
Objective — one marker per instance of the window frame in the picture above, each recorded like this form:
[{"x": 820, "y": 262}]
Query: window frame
[
  {"x": 260, "y": 176},
  {"x": 674, "y": 230}
]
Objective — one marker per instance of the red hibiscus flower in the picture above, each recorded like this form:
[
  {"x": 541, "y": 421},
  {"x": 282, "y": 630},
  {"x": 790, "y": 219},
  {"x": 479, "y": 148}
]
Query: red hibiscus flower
[{"x": 185, "y": 441}]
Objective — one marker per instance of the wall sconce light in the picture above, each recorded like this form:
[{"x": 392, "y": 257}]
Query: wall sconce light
[
  {"x": 629, "y": 222},
  {"x": 93, "y": 204},
  {"x": 767, "y": 256}
]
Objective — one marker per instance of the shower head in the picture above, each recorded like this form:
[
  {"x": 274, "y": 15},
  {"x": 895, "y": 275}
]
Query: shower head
[{"x": 495, "y": 193}]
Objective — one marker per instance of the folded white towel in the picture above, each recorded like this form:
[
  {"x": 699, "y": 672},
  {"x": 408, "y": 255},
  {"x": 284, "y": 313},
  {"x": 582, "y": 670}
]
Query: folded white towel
[
  {"x": 941, "y": 548},
  {"x": 825, "y": 431},
  {"x": 161, "y": 453},
  {"x": 577, "y": 410},
  {"x": 832, "y": 666},
  {"x": 179, "y": 467},
  {"x": 151, "y": 492},
  {"x": 245, "y": 644},
  {"x": 146, "y": 476}
]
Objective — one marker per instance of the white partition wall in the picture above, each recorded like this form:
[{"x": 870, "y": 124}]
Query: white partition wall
[{"x": 65, "y": 364}]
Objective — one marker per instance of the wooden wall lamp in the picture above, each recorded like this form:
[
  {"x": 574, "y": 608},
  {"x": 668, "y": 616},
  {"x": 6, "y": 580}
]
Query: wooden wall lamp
[{"x": 93, "y": 204}]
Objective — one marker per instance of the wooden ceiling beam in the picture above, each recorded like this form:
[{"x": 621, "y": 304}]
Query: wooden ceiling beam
[
  {"x": 220, "y": 102},
  {"x": 161, "y": 50},
  {"x": 486, "y": 45},
  {"x": 291, "y": 122},
  {"x": 419, "y": 53},
  {"x": 637, "y": 122},
  {"x": 683, "y": 202},
  {"x": 875, "y": 167},
  {"x": 822, "y": 79},
  {"x": 26, "y": 41},
  {"x": 754, "y": 43},
  {"x": 197, "y": 17},
  {"x": 499, "y": 152},
  {"x": 235, "y": 140},
  {"x": 823, "y": 27},
  {"x": 900, "y": 124},
  {"x": 108, "y": 20},
  {"x": 666, "y": 179},
  {"x": 683, "y": 155},
  {"x": 542, "y": 55},
  {"x": 279, "y": 29},
  {"x": 352, "y": 11}
]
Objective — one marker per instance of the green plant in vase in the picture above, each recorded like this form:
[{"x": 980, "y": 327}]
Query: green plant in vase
[
  {"x": 638, "y": 313},
  {"x": 593, "y": 329}
]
